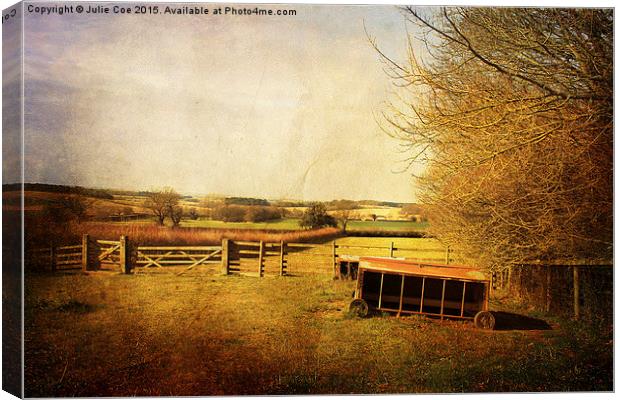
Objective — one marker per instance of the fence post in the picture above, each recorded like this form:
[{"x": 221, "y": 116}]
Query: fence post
[
  {"x": 282, "y": 261},
  {"x": 52, "y": 257},
  {"x": 85, "y": 252},
  {"x": 225, "y": 253},
  {"x": 576, "y": 290},
  {"x": 124, "y": 265},
  {"x": 447, "y": 255},
  {"x": 334, "y": 257},
  {"x": 261, "y": 251},
  {"x": 391, "y": 249}
]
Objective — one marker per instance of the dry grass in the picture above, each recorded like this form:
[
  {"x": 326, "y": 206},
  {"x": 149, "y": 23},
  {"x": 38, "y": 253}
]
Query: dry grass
[
  {"x": 153, "y": 234},
  {"x": 204, "y": 334}
]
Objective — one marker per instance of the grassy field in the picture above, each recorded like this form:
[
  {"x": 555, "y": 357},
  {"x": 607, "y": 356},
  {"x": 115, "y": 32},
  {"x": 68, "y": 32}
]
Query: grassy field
[
  {"x": 386, "y": 226},
  {"x": 204, "y": 334},
  {"x": 425, "y": 248},
  {"x": 281, "y": 224},
  {"x": 293, "y": 224}
]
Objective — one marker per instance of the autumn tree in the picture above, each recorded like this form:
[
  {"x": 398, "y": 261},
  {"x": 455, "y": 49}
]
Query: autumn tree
[
  {"x": 511, "y": 111},
  {"x": 162, "y": 202},
  {"x": 316, "y": 216}
]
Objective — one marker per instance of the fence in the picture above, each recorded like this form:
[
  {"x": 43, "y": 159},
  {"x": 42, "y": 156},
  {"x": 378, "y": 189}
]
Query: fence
[
  {"x": 572, "y": 288},
  {"x": 56, "y": 258},
  {"x": 234, "y": 257}
]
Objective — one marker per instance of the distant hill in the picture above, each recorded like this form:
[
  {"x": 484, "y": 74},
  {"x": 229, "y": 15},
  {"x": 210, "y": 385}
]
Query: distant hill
[
  {"x": 245, "y": 201},
  {"x": 48, "y": 188}
]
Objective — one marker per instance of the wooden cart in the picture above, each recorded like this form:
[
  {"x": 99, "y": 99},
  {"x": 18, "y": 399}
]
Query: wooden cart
[
  {"x": 346, "y": 266},
  {"x": 410, "y": 287}
]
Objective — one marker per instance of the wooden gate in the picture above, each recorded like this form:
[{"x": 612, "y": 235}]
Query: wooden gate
[
  {"x": 109, "y": 254},
  {"x": 258, "y": 257},
  {"x": 177, "y": 256}
]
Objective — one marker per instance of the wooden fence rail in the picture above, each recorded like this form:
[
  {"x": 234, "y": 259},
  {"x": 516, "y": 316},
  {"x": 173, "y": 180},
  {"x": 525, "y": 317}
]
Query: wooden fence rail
[
  {"x": 99, "y": 254},
  {"x": 119, "y": 255},
  {"x": 57, "y": 258}
]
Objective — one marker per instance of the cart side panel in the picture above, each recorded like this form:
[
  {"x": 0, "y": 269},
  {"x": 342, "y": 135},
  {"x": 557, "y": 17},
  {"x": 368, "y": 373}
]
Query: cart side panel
[
  {"x": 390, "y": 297},
  {"x": 371, "y": 286},
  {"x": 453, "y": 297},
  {"x": 432, "y": 295},
  {"x": 412, "y": 293},
  {"x": 474, "y": 298}
]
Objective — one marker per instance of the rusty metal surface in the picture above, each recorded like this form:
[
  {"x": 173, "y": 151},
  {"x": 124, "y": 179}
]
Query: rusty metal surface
[{"x": 411, "y": 267}]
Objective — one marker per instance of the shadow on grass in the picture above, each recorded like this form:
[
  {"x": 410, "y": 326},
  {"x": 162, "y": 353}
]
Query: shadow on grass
[{"x": 506, "y": 321}]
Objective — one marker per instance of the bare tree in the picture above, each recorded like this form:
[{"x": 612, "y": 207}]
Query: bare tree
[
  {"x": 511, "y": 111},
  {"x": 343, "y": 217},
  {"x": 343, "y": 211},
  {"x": 160, "y": 203},
  {"x": 176, "y": 214}
]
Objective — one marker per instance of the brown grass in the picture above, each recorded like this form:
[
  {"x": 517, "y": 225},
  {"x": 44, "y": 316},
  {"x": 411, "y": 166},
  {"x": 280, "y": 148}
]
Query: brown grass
[
  {"x": 205, "y": 334},
  {"x": 153, "y": 234}
]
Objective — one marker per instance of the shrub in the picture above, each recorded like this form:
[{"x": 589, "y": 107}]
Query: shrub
[
  {"x": 261, "y": 214},
  {"x": 229, "y": 213},
  {"x": 316, "y": 217},
  {"x": 193, "y": 214}
]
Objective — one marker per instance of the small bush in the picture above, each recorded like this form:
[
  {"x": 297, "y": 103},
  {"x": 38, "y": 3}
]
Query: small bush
[{"x": 316, "y": 217}]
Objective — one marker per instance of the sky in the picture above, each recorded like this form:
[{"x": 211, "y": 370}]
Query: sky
[{"x": 257, "y": 106}]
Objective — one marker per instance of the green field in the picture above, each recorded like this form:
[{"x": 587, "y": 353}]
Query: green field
[
  {"x": 386, "y": 226},
  {"x": 425, "y": 248},
  {"x": 281, "y": 224}
]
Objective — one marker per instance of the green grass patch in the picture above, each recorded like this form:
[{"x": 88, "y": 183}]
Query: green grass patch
[
  {"x": 397, "y": 226},
  {"x": 281, "y": 224}
]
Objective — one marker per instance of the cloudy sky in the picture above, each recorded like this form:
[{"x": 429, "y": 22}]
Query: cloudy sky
[{"x": 262, "y": 106}]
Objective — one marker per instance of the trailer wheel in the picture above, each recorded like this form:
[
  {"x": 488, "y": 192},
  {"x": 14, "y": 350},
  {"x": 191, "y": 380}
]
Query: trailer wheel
[
  {"x": 484, "y": 320},
  {"x": 359, "y": 307}
]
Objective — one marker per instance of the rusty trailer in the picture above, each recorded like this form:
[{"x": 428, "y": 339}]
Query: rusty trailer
[
  {"x": 410, "y": 287},
  {"x": 347, "y": 265}
]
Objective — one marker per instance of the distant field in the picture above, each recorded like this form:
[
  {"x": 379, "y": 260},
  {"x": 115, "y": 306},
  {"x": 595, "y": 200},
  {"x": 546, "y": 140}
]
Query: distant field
[
  {"x": 386, "y": 226},
  {"x": 293, "y": 224},
  {"x": 390, "y": 218},
  {"x": 282, "y": 224}
]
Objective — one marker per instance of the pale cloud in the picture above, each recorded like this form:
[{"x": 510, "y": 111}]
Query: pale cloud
[{"x": 255, "y": 106}]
